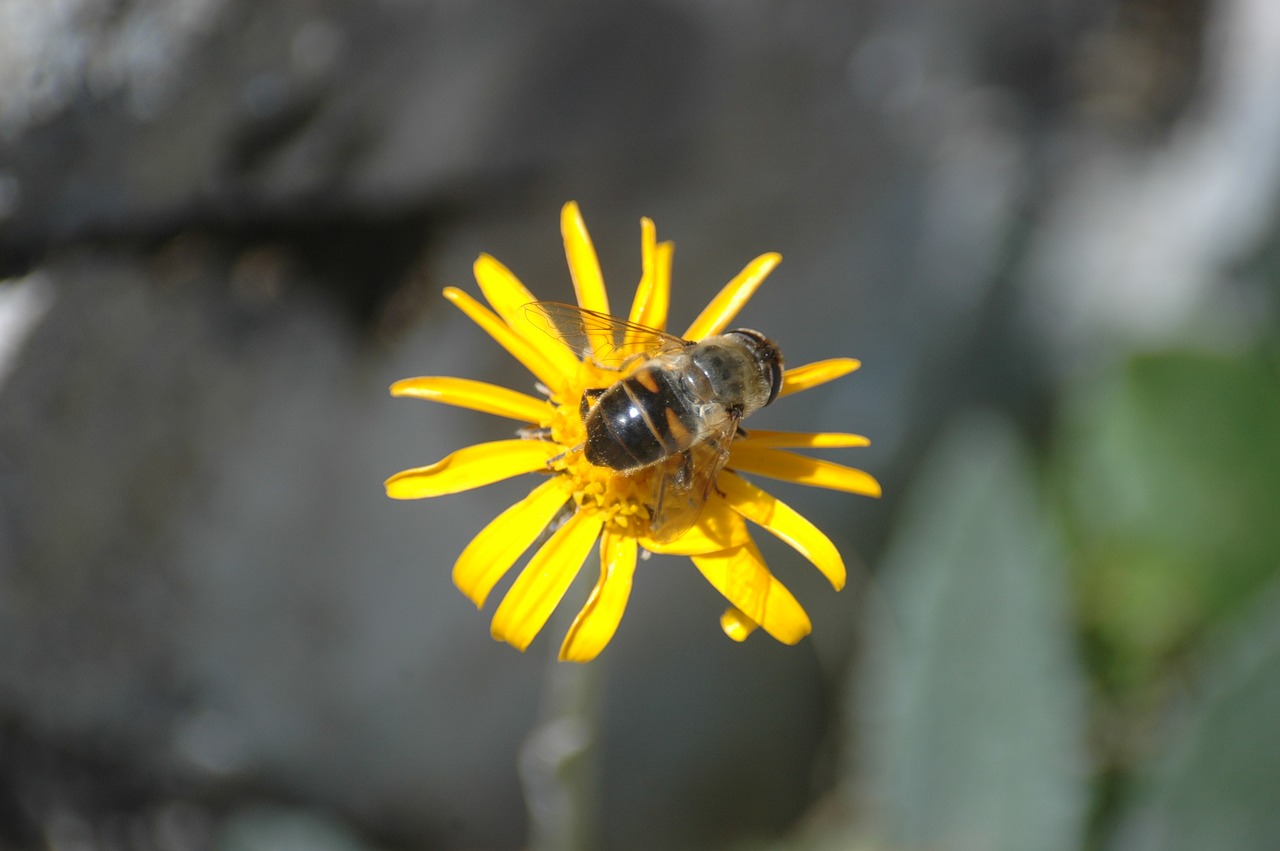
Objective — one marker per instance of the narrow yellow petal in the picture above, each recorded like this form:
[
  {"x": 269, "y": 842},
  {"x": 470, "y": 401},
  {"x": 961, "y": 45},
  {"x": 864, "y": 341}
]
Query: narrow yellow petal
[
  {"x": 813, "y": 374},
  {"x": 473, "y": 467},
  {"x": 718, "y": 528},
  {"x": 802, "y": 439},
  {"x": 598, "y": 621},
  {"x": 508, "y": 296},
  {"x": 503, "y": 290},
  {"x": 533, "y": 357},
  {"x": 476, "y": 395},
  {"x": 491, "y": 553},
  {"x": 656, "y": 316},
  {"x": 648, "y": 248},
  {"x": 541, "y": 585},
  {"x": 782, "y": 520},
  {"x": 736, "y": 625},
  {"x": 741, "y": 576},
  {"x": 649, "y": 308},
  {"x": 584, "y": 266},
  {"x": 801, "y": 470},
  {"x": 725, "y": 306}
]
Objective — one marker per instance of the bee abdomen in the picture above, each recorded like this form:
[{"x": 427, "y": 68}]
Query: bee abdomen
[{"x": 639, "y": 421}]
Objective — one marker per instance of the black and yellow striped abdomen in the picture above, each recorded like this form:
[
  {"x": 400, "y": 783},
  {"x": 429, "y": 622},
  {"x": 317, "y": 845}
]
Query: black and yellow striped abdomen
[{"x": 642, "y": 419}]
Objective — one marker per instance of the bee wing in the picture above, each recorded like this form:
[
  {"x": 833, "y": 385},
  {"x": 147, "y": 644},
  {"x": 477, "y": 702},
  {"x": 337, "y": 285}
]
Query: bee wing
[
  {"x": 687, "y": 481},
  {"x": 605, "y": 339}
]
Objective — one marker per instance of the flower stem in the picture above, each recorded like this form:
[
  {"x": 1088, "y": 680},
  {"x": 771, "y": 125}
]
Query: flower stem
[{"x": 558, "y": 759}]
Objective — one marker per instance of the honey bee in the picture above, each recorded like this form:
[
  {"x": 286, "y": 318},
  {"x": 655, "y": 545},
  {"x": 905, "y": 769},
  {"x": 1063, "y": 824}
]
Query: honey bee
[{"x": 677, "y": 411}]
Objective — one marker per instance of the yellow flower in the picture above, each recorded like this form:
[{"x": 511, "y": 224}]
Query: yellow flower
[{"x": 602, "y": 504}]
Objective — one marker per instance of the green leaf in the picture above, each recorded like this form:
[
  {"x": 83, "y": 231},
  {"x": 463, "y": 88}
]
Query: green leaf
[
  {"x": 1170, "y": 471},
  {"x": 974, "y": 701},
  {"x": 1218, "y": 784}
]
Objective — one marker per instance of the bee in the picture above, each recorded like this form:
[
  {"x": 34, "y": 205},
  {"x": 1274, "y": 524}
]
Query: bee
[{"x": 677, "y": 412}]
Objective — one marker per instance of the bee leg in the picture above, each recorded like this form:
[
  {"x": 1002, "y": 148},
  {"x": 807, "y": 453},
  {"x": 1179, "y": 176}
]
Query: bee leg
[
  {"x": 553, "y": 459},
  {"x": 533, "y": 433},
  {"x": 742, "y": 432},
  {"x": 685, "y": 476},
  {"x": 638, "y": 357}
]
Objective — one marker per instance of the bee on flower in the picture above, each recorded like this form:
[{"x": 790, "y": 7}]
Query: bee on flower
[{"x": 640, "y": 434}]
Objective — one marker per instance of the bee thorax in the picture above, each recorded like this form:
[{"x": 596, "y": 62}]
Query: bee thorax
[{"x": 739, "y": 367}]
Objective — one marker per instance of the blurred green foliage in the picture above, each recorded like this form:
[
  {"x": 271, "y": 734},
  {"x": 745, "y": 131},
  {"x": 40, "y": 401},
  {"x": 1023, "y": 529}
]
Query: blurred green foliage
[
  {"x": 1154, "y": 513},
  {"x": 973, "y": 702},
  {"x": 1169, "y": 470}
]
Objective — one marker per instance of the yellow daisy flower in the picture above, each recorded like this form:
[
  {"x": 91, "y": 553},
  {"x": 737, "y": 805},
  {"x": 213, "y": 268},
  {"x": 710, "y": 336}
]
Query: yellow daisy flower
[{"x": 601, "y": 504}]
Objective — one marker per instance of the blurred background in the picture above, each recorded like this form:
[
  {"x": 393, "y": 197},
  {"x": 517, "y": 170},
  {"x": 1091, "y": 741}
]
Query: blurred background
[{"x": 1049, "y": 230}]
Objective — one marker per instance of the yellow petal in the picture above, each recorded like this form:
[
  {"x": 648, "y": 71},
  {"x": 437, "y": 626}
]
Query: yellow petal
[
  {"x": 598, "y": 621},
  {"x": 584, "y": 266},
  {"x": 813, "y": 374},
  {"x": 784, "y": 521},
  {"x": 541, "y": 585},
  {"x": 476, "y": 395},
  {"x": 492, "y": 552},
  {"x": 657, "y": 315},
  {"x": 534, "y": 358},
  {"x": 802, "y": 439},
  {"x": 508, "y": 297},
  {"x": 741, "y": 576},
  {"x": 503, "y": 290},
  {"x": 736, "y": 625},
  {"x": 473, "y": 467},
  {"x": 801, "y": 470},
  {"x": 725, "y": 306},
  {"x": 718, "y": 528},
  {"x": 649, "y": 308}
]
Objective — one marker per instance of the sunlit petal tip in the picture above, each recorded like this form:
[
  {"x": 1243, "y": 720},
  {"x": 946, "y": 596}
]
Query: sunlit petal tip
[
  {"x": 487, "y": 267},
  {"x": 501, "y": 288},
  {"x": 584, "y": 265},
  {"x": 736, "y": 625},
  {"x": 741, "y": 576},
  {"x": 814, "y": 374},
  {"x": 476, "y": 395},
  {"x": 787, "y": 524},
  {"x": 653, "y": 293},
  {"x": 492, "y": 552},
  {"x": 596, "y": 624},
  {"x": 542, "y": 584},
  {"x": 802, "y": 439},
  {"x": 472, "y": 467},
  {"x": 722, "y": 309},
  {"x": 802, "y": 470},
  {"x": 549, "y": 363}
]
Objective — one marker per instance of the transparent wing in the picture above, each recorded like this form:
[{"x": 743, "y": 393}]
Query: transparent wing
[
  {"x": 605, "y": 339},
  {"x": 686, "y": 482}
]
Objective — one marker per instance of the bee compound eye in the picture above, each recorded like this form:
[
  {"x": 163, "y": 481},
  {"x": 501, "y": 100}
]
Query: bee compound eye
[
  {"x": 775, "y": 376},
  {"x": 767, "y": 356}
]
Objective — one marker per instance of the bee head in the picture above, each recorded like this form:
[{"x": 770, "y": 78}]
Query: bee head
[{"x": 767, "y": 356}]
